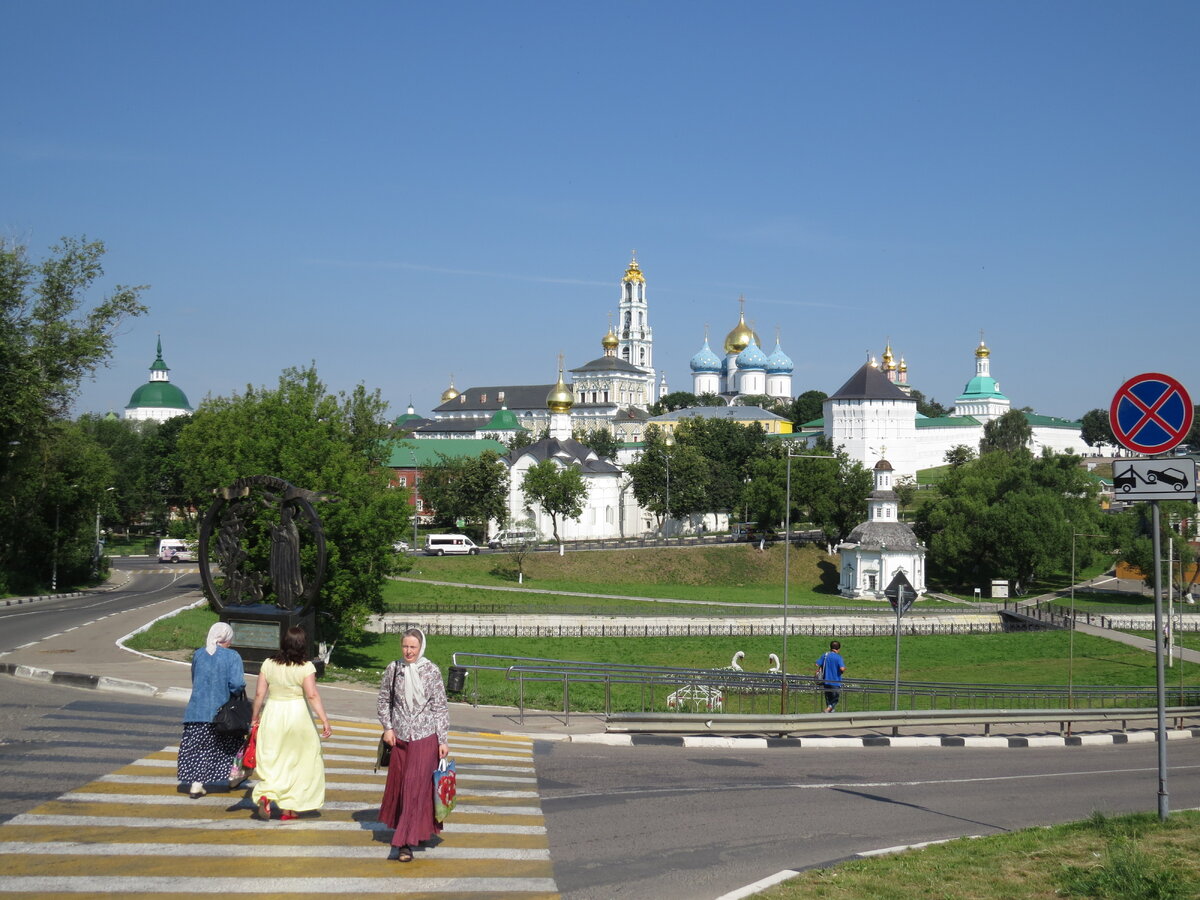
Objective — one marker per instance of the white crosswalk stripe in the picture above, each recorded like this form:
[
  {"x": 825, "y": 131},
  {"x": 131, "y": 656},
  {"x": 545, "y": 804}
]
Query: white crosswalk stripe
[{"x": 133, "y": 832}]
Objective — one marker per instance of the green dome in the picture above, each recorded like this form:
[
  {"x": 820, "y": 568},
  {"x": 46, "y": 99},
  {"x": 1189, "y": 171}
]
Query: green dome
[
  {"x": 982, "y": 386},
  {"x": 160, "y": 395}
]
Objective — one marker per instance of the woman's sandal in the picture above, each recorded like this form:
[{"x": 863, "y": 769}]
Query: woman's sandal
[{"x": 405, "y": 854}]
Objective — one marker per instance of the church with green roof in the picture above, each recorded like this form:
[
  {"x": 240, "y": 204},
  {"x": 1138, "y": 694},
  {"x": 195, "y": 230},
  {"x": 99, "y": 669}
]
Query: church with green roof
[{"x": 157, "y": 399}]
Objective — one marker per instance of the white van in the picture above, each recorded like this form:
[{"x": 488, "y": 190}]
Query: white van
[
  {"x": 175, "y": 550},
  {"x": 441, "y": 544},
  {"x": 509, "y": 538}
]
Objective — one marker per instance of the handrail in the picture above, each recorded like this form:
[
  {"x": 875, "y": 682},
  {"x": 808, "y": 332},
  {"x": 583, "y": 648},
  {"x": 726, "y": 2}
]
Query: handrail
[
  {"x": 723, "y": 685},
  {"x": 734, "y": 723}
]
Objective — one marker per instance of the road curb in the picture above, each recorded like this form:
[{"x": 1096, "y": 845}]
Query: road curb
[{"x": 92, "y": 682}]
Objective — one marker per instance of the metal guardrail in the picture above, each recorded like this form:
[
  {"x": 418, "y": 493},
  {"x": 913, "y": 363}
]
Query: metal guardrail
[
  {"x": 730, "y": 724},
  {"x": 729, "y": 687}
]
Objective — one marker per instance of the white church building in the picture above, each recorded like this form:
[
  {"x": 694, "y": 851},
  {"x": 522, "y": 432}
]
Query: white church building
[{"x": 873, "y": 414}]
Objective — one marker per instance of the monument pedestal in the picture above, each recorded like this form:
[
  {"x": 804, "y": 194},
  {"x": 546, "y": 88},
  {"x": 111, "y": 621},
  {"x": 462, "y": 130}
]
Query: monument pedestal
[{"x": 258, "y": 629}]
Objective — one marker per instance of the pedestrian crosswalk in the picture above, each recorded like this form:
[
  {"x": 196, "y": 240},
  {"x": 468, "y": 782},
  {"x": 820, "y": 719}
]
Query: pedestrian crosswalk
[{"x": 133, "y": 832}]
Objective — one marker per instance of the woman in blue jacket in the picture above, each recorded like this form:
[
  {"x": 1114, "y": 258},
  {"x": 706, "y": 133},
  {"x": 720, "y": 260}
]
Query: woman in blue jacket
[{"x": 206, "y": 757}]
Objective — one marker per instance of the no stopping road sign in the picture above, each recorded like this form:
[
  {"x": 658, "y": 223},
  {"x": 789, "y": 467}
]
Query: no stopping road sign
[{"x": 1151, "y": 413}]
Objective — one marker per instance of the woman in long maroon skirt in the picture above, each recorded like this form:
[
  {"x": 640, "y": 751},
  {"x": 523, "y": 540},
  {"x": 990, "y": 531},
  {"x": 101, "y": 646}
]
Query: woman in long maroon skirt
[{"x": 416, "y": 724}]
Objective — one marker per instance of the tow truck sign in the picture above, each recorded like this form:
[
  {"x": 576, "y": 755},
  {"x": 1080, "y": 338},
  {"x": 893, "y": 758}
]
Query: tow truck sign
[{"x": 1154, "y": 479}]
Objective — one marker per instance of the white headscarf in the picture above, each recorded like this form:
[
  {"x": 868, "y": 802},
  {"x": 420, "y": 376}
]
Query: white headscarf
[
  {"x": 218, "y": 634},
  {"x": 414, "y": 687}
]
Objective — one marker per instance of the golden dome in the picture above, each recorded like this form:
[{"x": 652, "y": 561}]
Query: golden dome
[
  {"x": 560, "y": 399},
  {"x": 449, "y": 393},
  {"x": 609, "y": 341},
  {"x": 741, "y": 336},
  {"x": 903, "y": 365},
  {"x": 889, "y": 361},
  {"x": 982, "y": 352},
  {"x": 634, "y": 272}
]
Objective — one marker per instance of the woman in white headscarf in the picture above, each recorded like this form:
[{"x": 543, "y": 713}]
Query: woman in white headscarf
[
  {"x": 206, "y": 757},
  {"x": 416, "y": 724}
]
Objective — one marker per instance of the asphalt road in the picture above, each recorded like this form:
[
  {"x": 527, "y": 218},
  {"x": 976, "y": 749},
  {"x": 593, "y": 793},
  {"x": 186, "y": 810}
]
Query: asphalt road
[
  {"x": 54, "y": 739},
  {"x": 30, "y": 622},
  {"x": 671, "y": 823}
]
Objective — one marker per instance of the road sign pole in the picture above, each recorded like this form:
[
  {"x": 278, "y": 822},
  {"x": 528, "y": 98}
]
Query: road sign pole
[
  {"x": 1163, "y": 804},
  {"x": 896, "y": 686}
]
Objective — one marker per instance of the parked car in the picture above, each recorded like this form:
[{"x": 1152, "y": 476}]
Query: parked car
[{"x": 400, "y": 546}]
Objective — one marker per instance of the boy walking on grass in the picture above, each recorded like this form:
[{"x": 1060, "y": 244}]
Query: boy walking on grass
[{"x": 830, "y": 667}]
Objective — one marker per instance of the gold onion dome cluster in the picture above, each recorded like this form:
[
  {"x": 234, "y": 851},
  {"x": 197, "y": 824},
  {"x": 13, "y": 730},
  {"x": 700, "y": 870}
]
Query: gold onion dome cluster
[{"x": 634, "y": 272}]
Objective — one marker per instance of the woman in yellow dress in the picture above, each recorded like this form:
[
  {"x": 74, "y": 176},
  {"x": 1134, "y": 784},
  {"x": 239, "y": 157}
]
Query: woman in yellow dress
[{"x": 290, "y": 766}]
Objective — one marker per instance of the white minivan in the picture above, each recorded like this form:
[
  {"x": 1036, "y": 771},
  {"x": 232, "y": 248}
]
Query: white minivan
[
  {"x": 175, "y": 550},
  {"x": 441, "y": 544},
  {"x": 511, "y": 538}
]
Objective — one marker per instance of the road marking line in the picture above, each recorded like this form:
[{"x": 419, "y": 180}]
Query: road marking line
[
  {"x": 272, "y": 886},
  {"x": 366, "y": 851}
]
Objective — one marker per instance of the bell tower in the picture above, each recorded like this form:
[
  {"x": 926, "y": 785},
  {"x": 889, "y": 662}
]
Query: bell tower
[{"x": 634, "y": 334}]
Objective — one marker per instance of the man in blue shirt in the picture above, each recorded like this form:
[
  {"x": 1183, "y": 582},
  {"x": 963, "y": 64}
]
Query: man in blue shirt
[{"x": 829, "y": 672}]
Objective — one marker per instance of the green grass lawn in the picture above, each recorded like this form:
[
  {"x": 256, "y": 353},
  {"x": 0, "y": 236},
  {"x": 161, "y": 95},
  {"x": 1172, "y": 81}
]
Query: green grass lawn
[
  {"x": 1133, "y": 857},
  {"x": 730, "y": 573}
]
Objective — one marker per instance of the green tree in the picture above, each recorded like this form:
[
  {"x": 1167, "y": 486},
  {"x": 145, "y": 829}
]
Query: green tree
[
  {"x": 474, "y": 489},
  {"x": 831, "y": 493},
  {"x": 1008, "y": 515},
  {"x": 673, "y": 401},
  {"x": 906, "y": 492},
  {"x": 1095, "y": 429},
  {"x": 765, "y": 497},
  {"x": 600, "y": 439},
  {"x": 1009, "y": 433},
  {"x": 667, "y": 479},
  {"x": 807, "y": 407},
  {"x": 928, "y": 407},
  {"x": 958, "y": 455},
  {"x": 51, "y": 338},
  {"x": 559, "y": 491},
  {"x": 302, "y": 433},
  {"x": 729, "y": 449}
]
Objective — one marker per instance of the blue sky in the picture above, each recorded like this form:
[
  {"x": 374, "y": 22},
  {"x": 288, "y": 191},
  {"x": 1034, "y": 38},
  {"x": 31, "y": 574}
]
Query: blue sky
[{"x": 404, "y": 191}]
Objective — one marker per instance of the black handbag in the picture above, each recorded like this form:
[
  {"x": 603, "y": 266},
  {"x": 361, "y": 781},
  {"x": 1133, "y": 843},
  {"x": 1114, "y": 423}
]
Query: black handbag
[
  {"x": 234, "y": 715},
  {"x": 383, "y": 753}
]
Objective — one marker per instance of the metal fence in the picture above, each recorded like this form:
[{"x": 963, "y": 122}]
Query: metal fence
[
  {"x": 694, "y": 629},
  {"x": 728, "y": 690}
]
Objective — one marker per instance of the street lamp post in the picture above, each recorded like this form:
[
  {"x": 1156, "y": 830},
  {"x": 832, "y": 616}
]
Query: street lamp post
[
  {"x": 99, "y": 544},
  {"x": 787, "y": 566},
  {"x": 413, "y": 452}
]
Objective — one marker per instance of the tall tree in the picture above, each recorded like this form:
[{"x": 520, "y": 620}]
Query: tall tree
[
  {"x": 728, "y": 448},
  {"x": 1095, "y": 428},
  {"x": 1008, "y": 515},
  {"x": 1009, "y": 433},
  {"x": 474, "y": 489},
  {"x": 51, "y": 338},
  {"x": 807, "y": 407},
  {"x": 324, "y": 442},
  {"x": 668, "y": 479},
  {"x": 958, "y": 455},
  {"x": 928, "y": 406},
  {"x": 559, "y": 490},
  {"x": 831, "y": 492},
  {"x": 602, "y": 440}
]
